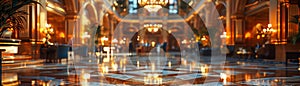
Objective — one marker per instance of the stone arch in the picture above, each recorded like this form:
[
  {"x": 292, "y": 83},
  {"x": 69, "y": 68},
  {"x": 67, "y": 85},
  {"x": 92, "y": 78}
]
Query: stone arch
[
  {"x": 175, "y": 29},
  {"x": 221, "y": 3},
  {"x": 84, "y": 33},
  {"x": 194, "y": 56},
  {"x": 221, "y": 7},
  {"x": 211, "y": 30}
]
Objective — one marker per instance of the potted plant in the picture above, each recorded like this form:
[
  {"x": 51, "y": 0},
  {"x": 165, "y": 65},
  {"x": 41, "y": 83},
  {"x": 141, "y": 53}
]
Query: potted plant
[{"x": 11, "y": 17}]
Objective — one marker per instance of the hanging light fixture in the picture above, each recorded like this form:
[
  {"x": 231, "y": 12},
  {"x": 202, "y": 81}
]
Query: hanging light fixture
[
  {"x": 153, "y": 8},
  {"x": 153, "y": 5},
  {"x": 153, "y": 2},
  {"x": 152, "y": 27}
]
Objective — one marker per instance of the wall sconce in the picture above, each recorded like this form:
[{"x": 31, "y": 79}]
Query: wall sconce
[
  {"x": 103, "y": 39},
  {"x": 115, "y": 40},
  {"x": 224, "y": 35},
  {"x": 269, "y": 29},
  {"x": 86, "y": 35}
]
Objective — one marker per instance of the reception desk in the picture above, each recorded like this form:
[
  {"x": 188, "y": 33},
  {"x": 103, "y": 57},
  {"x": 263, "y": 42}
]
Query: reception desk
[{"x": 10, "y": 45}]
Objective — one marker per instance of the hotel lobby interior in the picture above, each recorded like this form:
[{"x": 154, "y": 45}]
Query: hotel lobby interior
[{"x": 150, "y": 42}]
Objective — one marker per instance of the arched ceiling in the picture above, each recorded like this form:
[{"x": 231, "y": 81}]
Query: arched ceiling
[
  {"x": 71, "y": 6},
  {"x": 241, "y": 7}
]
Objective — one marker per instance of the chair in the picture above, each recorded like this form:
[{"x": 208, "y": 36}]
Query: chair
[
  {"x": 231, "y": 51},
  {"x": 62, "y": 52},
  {"x": 51, "y": 54},
  {"x": 43, "y": 52}
]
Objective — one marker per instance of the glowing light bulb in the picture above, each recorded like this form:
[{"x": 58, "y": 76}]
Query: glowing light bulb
[
  {"x": 269, "y": 25},
  {"x": 169, "y": 64}
]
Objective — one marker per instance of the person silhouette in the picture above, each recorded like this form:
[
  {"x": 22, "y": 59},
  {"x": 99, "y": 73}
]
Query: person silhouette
[
  {"x": 130, "y": 48},
  {"x": 164, "y": 46},
  {"x": 7, "y": 33}
]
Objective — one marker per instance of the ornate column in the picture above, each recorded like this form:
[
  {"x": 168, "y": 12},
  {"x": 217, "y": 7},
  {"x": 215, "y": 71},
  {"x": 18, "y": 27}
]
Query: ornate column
[
  {"x": 238, "y": 19},
  {"x": 239, "y": 27},
  {"x": 42, "y": 18},
  {"x": 71, "y": 19},
  {"x": 273, "y": 17},
  {"x": 165, "y": 27},
  {"x": 38, "y": 19},
  {"x": 71, "y": 25},
  {"x": 229, "y": 29},
  {"x": 140, "y": 28},
  {"x": 289, "y": 10}
]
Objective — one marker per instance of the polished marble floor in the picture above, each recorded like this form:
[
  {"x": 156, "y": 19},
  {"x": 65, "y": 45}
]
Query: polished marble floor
[{"x": 90, "y": 71}]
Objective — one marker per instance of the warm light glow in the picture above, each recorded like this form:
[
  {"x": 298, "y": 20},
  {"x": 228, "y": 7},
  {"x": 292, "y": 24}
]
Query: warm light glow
[
  {"x": 104, "y": 38},
  {"x": 51, "y": 30},
  {"x": 86, "y": 76},
  {"x": 203, "y": 38},
  {"x": 98, "y": 53},
  {"x": 184, "y": 41},
  {"x": 169, "y": 64},
  {"x": 152, "y": 2},
  {"x": 183, "y": 61},
  {"x": 9, "y": 77},
  {"x": 138, "y": 64},
  {"x": 155, "y": 29},
  {"x": 32, "y": 82},
  {"x": 52, "y": 6},
  {"x": 269, "y": 25},
  {"x": 115, "y": 40},
  {"x": 258, "y": 37},
  {"x": 264, "y": 74},
  {"x": 122, "y": 42},
  {"x": 44, "y": 39},
  {"x": 152, "y": 27},
  {"x": 86, "y": 35},
  {"x": 248, "y": 35},
  {"x": 62, "y": 35},
  {"x": 114, "y": 66},
  {"x": 108, "y": 48},
  {"x": 247, "y": 77},
  {"x": 153, "y": 79},
  {"x": 153, "y": 8},
  {"x": 299, "y": 64},
  {"x": 152, "y": 44},
  {"x": 169, "y": 31},
  {"x": 48, "y": 25},
  {"x": 224, "y": 35},
  {"x": 223, "y": 76},
  {"x": 142, "y": 41},
  {"x": 152, "y": 66},
  {"x": 204, "y": 69},
  {"x": 47, "y": 31}
]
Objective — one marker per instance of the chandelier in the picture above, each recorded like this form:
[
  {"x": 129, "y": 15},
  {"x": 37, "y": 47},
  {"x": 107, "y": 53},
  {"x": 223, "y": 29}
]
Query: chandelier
[
  {"x": 153, "y": 8},
  {"x": 152, "y": 27},
  {"x": 153, "y": 5},
  {"x": 153, "y": 2},
  {"x": 269, "y": 29}
]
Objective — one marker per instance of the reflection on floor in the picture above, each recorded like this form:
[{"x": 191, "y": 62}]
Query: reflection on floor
[{"x": 90, "y": 71}]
